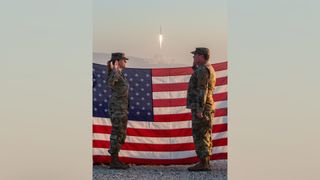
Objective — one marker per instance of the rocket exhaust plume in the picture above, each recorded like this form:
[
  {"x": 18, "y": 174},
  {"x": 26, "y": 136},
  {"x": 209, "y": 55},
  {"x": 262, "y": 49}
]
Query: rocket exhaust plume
[{"x": 160, "y": 38}]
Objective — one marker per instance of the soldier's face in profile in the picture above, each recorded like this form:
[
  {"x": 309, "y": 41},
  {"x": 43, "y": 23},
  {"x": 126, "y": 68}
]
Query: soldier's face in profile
[
  {"x": 198, "y": 59},
  {"x": 122, "y": 63}
]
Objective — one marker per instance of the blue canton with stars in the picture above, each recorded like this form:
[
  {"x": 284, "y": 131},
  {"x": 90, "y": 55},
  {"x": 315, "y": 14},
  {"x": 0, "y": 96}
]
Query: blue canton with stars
[{"x": 140, "y": 93}]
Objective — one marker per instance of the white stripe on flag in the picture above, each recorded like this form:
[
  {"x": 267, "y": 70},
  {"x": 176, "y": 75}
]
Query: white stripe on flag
[
  {"x": 158, "y": 140},
  {"x": 182, "y": 109},
  {"x": 183, "y": 94},
  {"x": 157, "y": 155},
  {"x": 157, "y": 125},
  {"x": 170, "y": 110},
  {"x": 181, "y": 78}
]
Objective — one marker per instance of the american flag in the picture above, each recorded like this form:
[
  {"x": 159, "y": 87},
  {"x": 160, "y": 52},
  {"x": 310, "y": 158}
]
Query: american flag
[{"x": 159, "y": 127}]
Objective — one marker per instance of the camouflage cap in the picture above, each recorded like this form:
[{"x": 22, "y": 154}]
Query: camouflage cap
[
  {"x": 118, "y": 56},
  {"x": 202, "y": 51}
]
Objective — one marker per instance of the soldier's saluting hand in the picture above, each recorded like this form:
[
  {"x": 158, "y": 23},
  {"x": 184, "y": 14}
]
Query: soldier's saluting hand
[{"x": 115, "y": 67}]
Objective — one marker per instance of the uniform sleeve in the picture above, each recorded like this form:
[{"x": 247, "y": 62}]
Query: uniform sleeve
[
  {"x": 202, "y": 85},
  {"x": 113, "y": 78}
]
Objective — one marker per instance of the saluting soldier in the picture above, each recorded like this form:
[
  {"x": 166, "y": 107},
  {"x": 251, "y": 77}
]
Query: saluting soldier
[
  {"x": 200, "y": 101},
  {"x": 118, "y": 107}
]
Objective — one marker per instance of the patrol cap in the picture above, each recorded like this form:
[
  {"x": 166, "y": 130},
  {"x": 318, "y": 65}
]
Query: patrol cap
[
  {"x": 118, "y": 56},
  {"x": 202, "y": 51}
]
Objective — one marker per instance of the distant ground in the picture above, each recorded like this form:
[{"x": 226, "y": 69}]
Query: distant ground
[
  {"x": 137, "y": 62},
  {"x": 176, "y": 172}
]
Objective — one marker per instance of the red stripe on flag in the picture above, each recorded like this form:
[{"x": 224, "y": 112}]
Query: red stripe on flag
[
  {"x": 220, "y": 96},
  {"x": 157, "y": 147},
  {"x": 185, "y": 116},
  {"x": 158, "y": 132},
  {"x": 220, "y": 66},
  {"x": 222, "y": 81},
  {"x": 106, "y": 159},
  {"x": 183, "y": 101},
  {"x": 171, "y": 71},
  {"x": 221, "y": 112},
  {"x": 169, "y": 87},
  {"x": 183, "y": 86},
  {"x": 184, "y": 70},
  {"x": 169, "y": 102},
  {"x": 172, "y": 117}
]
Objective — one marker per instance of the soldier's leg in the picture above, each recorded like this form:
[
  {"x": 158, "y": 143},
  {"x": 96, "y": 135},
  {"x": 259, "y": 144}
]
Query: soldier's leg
[
  {"x": 123, "y": 120},
  {"x": 123, "y": 133},
  {"x": 123, "y": 128},
  {"x": 202, "y": 140},
  {"x": 209, "y": 115},
  {"x": 114, "y": 127},
  {"x": 201, "y": 131},
  {"x": 114, "y": 137}
]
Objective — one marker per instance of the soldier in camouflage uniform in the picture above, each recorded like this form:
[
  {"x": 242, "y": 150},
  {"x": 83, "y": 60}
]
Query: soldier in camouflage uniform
[
  {"x": 200, "y": 101},
  {"x": 118, "y": 107}
]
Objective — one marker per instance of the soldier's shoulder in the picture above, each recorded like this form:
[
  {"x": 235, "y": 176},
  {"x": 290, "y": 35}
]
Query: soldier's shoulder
[
  {"x": 209, "y": 67},
  {"x": 114, "y": 74},
  {"x": 111, "y": 73},
  {"x": 202, "y": 70}
]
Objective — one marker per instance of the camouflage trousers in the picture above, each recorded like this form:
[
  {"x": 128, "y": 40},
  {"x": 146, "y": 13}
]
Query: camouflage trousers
[
  {"x": 119, "y": 121},
  {"x": 201, "y": 132}
]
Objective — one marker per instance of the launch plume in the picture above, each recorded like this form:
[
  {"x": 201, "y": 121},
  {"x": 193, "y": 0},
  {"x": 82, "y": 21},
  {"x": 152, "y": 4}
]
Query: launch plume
[{"x": 160, "y": 38}]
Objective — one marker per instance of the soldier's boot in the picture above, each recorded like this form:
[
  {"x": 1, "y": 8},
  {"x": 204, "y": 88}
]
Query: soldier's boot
[
  {"x": 207, "y": 161},
  {"x": 116, "y": 164},
  {"x": 203, "y": 165},
  {"x": 124, "y": 164}
]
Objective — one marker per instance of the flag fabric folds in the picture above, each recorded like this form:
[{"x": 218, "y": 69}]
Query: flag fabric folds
[{"x": 159, "y": 126}]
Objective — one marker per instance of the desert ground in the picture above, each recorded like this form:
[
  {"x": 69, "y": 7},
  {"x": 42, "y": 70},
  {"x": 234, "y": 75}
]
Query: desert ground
[{"x": 177, "y": 172}]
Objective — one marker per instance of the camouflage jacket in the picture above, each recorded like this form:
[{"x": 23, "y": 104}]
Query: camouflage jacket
[
  {"x": 200, "y": 90},
  {"x": 120, "y": 90}
]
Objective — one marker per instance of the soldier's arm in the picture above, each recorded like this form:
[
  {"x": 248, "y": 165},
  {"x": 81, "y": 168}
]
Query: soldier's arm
[
  {"x": 113, "y": 78},
  {"x": 203, "y": 78}
]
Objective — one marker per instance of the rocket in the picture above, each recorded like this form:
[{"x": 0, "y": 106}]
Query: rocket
[{"x": 160, "y": 37}]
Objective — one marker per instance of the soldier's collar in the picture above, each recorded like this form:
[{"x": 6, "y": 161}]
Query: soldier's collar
[{"x": 202, "y": 64}]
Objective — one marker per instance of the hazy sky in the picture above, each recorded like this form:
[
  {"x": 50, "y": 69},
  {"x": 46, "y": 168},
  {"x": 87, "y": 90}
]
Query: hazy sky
[{"x": 133, "y": 27}]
